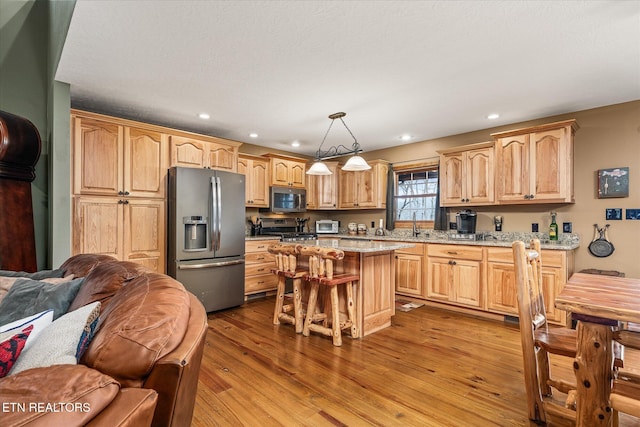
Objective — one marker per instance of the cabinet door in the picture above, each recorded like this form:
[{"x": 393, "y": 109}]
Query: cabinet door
[
  {"x": 366, "y": 189},
  {"x": 466, "y": 283},
  {"x": 347, "y": 189},
  {"x": 452, "y": 179},
  {"x": 97, "y": 157},
  {"x": 322, "y": 190},
  {"x": 440, "y": 281},
  {"x": 256, "y": 174},
  {"x": 550, "y": 165},
  {"x": 502, "y": 296},
  {"x": 512, "y": 165},
  {"x": 187, "y": 152},
  {"x": 97, "y": 226},
  {"x": 479, "y": 176},
  {"x": 280, "y": 172},
  {"x": 409, "y": 274},
  {"x": 297, "y": 174},
  {"x": 145, "y": 163},
  {"x": 552, "y": 285},
  {"x": 221, "y": 156},
  {"x": 144, "y": 233}
]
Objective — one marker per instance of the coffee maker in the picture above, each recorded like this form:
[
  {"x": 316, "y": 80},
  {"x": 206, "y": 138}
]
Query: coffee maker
[{"x": 466, "y": 221}]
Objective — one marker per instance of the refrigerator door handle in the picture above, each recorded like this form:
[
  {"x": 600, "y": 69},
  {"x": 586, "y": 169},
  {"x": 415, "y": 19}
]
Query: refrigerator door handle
[
  {"x": 209, "y": 265},
  {"x": 219, "y": 206},
  {"x": 214, "y": 214}
]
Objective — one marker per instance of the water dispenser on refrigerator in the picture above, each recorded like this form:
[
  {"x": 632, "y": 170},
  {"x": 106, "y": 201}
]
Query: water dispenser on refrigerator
[{"x": 195, "y": 233}]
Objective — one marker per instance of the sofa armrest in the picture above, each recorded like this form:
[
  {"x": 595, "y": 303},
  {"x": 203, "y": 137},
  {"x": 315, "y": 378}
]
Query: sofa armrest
[
  {"x": 132, "y": 407},
  {"x": 175, "y": 376}
]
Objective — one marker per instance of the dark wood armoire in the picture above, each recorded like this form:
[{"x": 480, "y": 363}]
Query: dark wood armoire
[{"x": 19, "y": 152}]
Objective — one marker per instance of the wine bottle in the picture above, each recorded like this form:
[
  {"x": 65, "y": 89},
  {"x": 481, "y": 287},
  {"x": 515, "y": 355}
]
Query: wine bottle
[{"x": 553, "y": 227}]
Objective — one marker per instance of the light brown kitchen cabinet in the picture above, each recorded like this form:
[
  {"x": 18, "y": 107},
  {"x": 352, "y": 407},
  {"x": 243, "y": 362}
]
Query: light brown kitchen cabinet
[
  {"x": 203, "y": 152},
  {"x": 455, "y": 275},
  {"x": 110, "y": 158},
  {"x": 410, "y": 270},
  {"x": 363, "y": 189},
  {"x": 322, "y": 190},
  {"x": 256, "y": 172},
  {"x": 502, "y": 295},
  {"x": 535, "y": 165},
  {"x": 258, "y": 265},
  {"x": 127, "y": 229},
  {"x": 467, "y": 175},
  {"x": 287, "y": 171}
]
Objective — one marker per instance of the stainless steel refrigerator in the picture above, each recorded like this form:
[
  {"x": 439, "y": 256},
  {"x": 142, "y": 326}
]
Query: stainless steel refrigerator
[{"x": 206, "y": 234}]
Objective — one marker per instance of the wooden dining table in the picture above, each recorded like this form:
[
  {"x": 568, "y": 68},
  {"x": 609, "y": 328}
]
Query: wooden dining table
[{"x": 598, "y": 302}]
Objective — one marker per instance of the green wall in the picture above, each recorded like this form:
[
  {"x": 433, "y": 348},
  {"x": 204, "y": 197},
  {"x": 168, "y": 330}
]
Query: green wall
[{"x": 32, "y": 35}]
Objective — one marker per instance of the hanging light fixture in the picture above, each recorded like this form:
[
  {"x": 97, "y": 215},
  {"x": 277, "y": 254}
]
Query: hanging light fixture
[{"x": 355, "y": 162}]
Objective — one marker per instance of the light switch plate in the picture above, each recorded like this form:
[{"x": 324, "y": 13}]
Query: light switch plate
[
  {"x": 534, "y": 227},
  {"x": 633, "y": 214},
  {"x": 567, "y": 227}
]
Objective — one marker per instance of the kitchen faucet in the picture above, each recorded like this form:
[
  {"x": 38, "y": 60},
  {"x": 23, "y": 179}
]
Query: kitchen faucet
[{"x": 416, "y": 229}]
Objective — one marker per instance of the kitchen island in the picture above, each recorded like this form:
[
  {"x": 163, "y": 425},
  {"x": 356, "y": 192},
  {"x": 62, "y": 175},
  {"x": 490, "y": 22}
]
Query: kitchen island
[{"x": 374, "y": 263}]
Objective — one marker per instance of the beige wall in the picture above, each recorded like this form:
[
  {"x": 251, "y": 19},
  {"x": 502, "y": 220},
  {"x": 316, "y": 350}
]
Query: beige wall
[{"x": 608, "y": 137}]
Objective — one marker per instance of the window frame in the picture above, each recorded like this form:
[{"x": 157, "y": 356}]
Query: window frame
[{"x": 416, "y": 167}]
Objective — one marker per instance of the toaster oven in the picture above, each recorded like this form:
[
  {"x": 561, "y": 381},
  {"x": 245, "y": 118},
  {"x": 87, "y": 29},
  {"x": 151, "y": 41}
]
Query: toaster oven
[{"x": 327, "y": 226}]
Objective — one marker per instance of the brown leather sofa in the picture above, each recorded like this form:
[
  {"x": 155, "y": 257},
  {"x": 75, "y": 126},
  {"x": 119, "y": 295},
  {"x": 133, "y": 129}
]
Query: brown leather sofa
[{"x": 141, "y": 367}]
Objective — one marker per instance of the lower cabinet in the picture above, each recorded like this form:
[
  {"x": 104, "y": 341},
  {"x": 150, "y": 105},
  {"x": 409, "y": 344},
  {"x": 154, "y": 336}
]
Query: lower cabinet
[
  {"x": 502, "y": 295},
  {"x": 258, "y": 265},
  {"x": 455, "y": 275},
  {"x": 410, "y": 271},
  {"x": 127, "y": 229}
]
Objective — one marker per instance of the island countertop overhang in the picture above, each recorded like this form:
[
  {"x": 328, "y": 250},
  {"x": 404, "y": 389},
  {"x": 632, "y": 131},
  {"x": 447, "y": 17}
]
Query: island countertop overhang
[{"x": 359, "y": 246}]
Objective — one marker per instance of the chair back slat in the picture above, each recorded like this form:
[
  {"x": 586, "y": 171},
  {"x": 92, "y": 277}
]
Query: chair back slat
[
  {"x": 286, "y": 256},
  {"x": 321, "y": 260}
]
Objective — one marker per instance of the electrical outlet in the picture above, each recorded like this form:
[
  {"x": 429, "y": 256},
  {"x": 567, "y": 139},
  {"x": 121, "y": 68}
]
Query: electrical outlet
[
  {"x": 534, "y": 227},
  {"x": 453, "y": 226},
  {"x": 567, "y": 227},
  {"x": 373, "y": 224},
  {"x": 633, "y": 213}
]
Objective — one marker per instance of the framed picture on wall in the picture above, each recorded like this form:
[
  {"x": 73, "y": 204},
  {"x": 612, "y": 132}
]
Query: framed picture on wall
[{"x": 613, "y": 183}]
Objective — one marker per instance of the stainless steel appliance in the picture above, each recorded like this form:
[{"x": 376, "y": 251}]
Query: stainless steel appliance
[
  {"x": 327, "y": 226},
  {"x": 288, "y": 200},
  {"x": 466, "y": 222},
  {"x": 288, "y": 229},
  {"x": 206, "y": 234}
]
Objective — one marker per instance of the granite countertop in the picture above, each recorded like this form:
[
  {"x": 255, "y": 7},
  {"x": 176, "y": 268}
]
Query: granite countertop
[
  {"x": 493, "y": 240},
  {"x": 359, "y": 245},
  {"x": 567, "y": 242}
]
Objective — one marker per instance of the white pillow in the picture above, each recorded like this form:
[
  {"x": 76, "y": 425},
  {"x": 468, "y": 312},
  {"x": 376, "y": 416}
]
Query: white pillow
[
  {"x": 39, "y": 321},
  {"x": 58, "y": 343}
]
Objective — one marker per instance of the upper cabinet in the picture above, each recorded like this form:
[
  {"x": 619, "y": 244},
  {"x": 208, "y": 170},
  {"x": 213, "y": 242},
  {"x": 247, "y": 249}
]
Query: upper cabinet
[
  {"x": 287, "y": 171},
  {"x": 535, "y": 165},
  {"x": 256, "y": 171},
  {"x": 467, "y": 175},
  {"x": 322, "y": 190},
  {"x": 363, "y": 189},
  {"x": 204, "y": 152},
  {"x": 113, "y": 159}
]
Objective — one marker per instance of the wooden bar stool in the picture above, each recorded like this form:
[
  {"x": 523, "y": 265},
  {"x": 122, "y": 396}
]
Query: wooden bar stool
[
  {"x": 286, "y": 258},
  {"x": 321, "y": 272}
]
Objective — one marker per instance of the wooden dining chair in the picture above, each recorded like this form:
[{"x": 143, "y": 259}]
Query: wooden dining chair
[
  {"x": 538, "y": 340},
  {"x": 287, "y": 267},
  {"x": 625, "y": 391}
]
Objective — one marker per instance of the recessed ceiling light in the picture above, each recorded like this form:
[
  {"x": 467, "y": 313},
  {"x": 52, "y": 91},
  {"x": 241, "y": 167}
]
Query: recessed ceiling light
[
  {"x": 493, "y": 116},
  {"x": 204, "y": 116},
  {"x": 253, "y": 135},
  {"x": 406, "y": 137},
  {"x": 295, "y": 144}
]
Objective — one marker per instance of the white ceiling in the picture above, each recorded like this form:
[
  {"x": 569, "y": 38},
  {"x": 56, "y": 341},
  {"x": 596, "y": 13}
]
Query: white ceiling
[{"x": 279, "y": 68}]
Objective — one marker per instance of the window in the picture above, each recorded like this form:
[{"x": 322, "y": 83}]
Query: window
[{"x": 416, "y": 193}]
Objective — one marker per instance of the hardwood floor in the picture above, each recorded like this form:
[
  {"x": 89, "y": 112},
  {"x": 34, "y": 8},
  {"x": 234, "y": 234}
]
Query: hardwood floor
[{"x": 431, "y": 368}]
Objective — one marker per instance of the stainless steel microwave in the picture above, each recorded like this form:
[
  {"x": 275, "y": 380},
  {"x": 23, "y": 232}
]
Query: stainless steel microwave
[
  {"x": 327, "y": 226},
  {"x": 287, "y": 199}
]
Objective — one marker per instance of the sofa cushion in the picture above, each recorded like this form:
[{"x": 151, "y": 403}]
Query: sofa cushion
[
  {"x": 80, "y": 265},
  {"x": 104, "y": 280},
  {"x": 10, "y": 349},
  {"x": 144, "y": 320},
  {"x": 6, "y": 283},
  {"x": 64, "y": 395},
  {"x": 62, "y": 341},
  {"x": 27, "y": 297}
]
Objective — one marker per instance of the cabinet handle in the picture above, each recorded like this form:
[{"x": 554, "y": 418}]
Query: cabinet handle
[
  {"x": 120, "y": 202},
  {"x": 126, "y": 193},
  {"x": 531, "y": 196},
  {"x": 453, "y": 263},
  {"x": 120, "y": 193},
  {"x": 259, "y": 259},
  {"x": 261, "y": 269},
  {"x": 126, "y": 202},
  {"x": 452, "y": 252}
]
